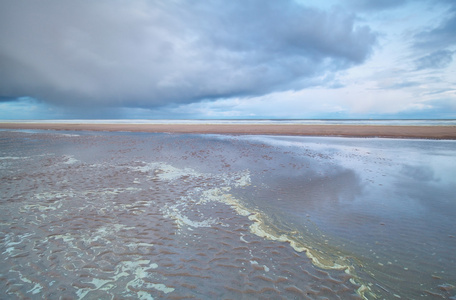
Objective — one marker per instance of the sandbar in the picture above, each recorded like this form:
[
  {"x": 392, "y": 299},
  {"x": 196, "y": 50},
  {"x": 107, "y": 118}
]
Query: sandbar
[{"x": 384, "y": 131}]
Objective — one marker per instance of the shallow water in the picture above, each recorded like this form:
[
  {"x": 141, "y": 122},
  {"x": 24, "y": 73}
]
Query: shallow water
[{"x": 133, "y": 215}]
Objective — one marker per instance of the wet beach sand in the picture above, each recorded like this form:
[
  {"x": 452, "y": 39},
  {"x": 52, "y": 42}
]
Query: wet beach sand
[
  {"x": 136, "y": 215},
  {"x": 140, "y": 216},
  {"x": 426, "y": 132}
]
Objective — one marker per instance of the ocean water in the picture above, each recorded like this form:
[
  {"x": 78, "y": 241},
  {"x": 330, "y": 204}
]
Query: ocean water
[
  {"x": 97, "y": 215},
  {"x": 401, "y": 122}
]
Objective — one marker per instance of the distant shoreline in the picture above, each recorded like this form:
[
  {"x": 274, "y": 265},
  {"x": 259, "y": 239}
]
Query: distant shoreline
[{"x": 384, "y": 131}]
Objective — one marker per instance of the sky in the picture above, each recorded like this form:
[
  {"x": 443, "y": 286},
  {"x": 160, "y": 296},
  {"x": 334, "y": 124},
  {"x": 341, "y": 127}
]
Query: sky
[{"x": 237, "y": 59}]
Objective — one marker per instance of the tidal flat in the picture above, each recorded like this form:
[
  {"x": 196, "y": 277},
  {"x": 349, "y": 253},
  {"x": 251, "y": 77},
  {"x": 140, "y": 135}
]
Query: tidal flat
[{"x": 207, "y": 216}]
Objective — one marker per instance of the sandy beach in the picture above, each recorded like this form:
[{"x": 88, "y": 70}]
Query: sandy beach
[
  {"x": 427, "y": 132},
  {"x": 120, "y": 214}
]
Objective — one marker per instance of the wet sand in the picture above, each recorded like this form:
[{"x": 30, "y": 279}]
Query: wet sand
[
  {"x": 110, "y": 216},
  {"x": 426, "y": 132},
  {"x": 177, "y": 216}
]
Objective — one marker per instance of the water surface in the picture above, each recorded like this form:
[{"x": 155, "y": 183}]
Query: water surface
[{"x": 140, "y": 215}]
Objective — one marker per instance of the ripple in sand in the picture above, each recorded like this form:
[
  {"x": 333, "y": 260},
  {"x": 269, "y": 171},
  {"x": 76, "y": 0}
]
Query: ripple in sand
[{"x": 130, "y": 225}]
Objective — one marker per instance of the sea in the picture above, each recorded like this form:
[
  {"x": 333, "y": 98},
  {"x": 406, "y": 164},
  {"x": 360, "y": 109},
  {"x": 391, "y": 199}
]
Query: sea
[
  {"x": 123, "y": 215},
  {"x": 395, "y": 122}
]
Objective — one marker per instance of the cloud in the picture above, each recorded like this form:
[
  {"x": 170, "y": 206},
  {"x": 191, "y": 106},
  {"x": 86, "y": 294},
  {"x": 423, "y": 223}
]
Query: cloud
[
  {"x": 440, "y": 37},
  {"x": 376, "y": 5},
  {"x": 153, "y": 53},
  {"x": 24, "y": 108},
  {"x": 402, "y": 84},
  {"x": 436, "y": 60}
]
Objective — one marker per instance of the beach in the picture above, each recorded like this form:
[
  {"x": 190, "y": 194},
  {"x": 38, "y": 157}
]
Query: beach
[
  {"x": 101, "y": 214},
  {"x": 385, "y": 131},
  {"x": 228, "y": 150}
]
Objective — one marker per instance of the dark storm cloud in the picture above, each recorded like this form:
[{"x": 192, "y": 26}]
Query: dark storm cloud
[
  {"x": 7, "y": 99},
  {"x": 151, "y": 53},
  {"x": 436, "y": 60}
]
